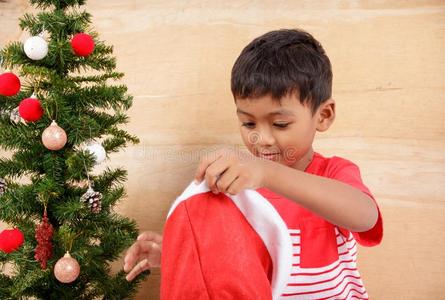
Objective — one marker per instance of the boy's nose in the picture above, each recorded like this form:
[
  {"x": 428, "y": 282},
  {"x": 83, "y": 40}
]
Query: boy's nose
[{"x": 266, "y": 138}]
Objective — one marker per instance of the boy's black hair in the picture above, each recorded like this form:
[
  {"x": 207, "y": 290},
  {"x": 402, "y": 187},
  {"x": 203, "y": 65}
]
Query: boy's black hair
[{"x": 282, "y": 62}]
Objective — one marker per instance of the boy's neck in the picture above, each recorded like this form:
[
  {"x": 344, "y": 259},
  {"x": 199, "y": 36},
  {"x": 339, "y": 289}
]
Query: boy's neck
[{"x": 304, "y": 162}]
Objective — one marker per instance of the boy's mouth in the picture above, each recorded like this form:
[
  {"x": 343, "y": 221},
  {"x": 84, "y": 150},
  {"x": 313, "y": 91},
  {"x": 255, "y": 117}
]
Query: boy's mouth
[{"x": 270, "y": 156}]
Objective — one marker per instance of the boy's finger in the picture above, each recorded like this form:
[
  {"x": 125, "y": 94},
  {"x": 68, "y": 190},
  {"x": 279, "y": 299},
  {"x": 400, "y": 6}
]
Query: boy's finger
[
  {"x": 139, "y": 268},
  {"x": 204, "y": 163},
  {"x": 150, "y": 236},
  {"x": 236, "y": 186},
  {"x": 130, "y": 259},
  {"x": 214, "y": 173},
  {"x": 136, "y": 251},
  {"x": 226, "y": 179}
]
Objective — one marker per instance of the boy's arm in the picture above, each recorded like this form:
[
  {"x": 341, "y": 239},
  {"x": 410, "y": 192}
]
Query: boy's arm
[
  {"x": 231, "y": 171},
  {"x": 335, "y": 201}
]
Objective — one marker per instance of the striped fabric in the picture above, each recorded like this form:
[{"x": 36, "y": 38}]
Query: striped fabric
[
  {"x": 338, "y": 280},
  {"x": 324, "y": 257}
]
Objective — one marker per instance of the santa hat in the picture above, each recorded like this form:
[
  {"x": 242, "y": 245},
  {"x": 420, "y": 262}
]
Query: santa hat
[{"x": 218, "y": 246}]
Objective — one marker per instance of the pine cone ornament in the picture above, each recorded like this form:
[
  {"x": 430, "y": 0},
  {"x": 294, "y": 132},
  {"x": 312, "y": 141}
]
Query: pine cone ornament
[
  {"x": 4, "y": 113},
  {"x": 44, "y": 233},
  {"x": 15, "y": 116},
  {"x": 3, "y": 186},
  {"x": 93, "y": 199}
]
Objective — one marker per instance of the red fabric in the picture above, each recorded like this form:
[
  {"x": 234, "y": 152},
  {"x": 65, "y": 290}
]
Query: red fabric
[
  {"x": 347, "y": 172},
  {"x": 319, "y": 246},
  {"x": 210, "y": 251}
]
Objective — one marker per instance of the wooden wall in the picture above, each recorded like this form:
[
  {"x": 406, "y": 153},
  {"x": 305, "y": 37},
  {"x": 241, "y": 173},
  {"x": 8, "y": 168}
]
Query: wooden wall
[{"x": 389, "y": 67}]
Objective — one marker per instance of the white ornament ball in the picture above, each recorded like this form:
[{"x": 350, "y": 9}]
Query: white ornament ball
[
  {"x": 36, "y": 48},
  {"x": 97, "y": 151}
]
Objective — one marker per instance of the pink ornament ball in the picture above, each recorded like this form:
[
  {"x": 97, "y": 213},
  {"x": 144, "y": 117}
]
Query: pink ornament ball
[
  {"x": 11, "y": 240},
  {"x": 54, "y": 137},
  {"x": 9, "y": 84},
  {"x": 82, "y": 44},
  {"x": 30, "y": 109},
  {"x": 67, "y": 269}
]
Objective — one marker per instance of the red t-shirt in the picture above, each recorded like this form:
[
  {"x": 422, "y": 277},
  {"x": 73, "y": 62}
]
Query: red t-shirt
[
  {"x": 324, "y": 258},
  {"x": 213, "y": 251}
]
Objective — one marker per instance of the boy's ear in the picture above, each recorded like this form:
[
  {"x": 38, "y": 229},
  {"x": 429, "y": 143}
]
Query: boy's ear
[{"x": 326, "y": 115}]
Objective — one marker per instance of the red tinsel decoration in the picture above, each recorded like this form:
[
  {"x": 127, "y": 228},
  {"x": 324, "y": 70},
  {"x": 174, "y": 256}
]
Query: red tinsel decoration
[{"x": 44, "y": 233}]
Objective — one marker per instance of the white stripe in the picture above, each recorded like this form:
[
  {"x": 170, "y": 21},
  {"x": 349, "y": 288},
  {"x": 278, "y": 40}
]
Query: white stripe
[
  {"x": 324, "y": 294},
  {"x": 325, "y": 276},
  {"x": 324, "y": 285},
  {"x": 346, "y": 256},
  {"x": 353, "y": 287},
  {"x": 339, "y": 239},
  {"x": 295, "y": 239}
]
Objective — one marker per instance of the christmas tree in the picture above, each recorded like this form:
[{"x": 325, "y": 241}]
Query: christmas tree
[{"x": 60, "y": 117}]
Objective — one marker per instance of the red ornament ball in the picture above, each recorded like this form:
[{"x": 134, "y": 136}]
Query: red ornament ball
[
  {"x": 11, "y": 240},
  {"x": 82, "y": 44},
  {"x": 9, "y": 84},
  {"x": 30, "y": 109}
]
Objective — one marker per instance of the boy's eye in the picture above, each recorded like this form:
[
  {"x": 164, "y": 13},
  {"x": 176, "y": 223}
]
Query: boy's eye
[
  {"x": 248, "y": 124},
  {"x": 281, "y": 125}
]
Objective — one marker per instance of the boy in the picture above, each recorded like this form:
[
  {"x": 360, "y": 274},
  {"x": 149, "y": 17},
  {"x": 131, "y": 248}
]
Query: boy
[{"x": 282, "y": 84}]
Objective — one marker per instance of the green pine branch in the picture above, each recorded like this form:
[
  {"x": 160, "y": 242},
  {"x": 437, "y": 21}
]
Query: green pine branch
[
  {"x": 110, "y": 178},
  {"x": 76, "y": 92},
  {"x": 14, "y": 168},
  {"x": 58, "y": 4},
  {"x": 51, "y": 22}
]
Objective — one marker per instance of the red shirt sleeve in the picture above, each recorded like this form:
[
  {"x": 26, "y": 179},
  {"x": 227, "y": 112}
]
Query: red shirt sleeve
[{"x": 347, "y": 172}]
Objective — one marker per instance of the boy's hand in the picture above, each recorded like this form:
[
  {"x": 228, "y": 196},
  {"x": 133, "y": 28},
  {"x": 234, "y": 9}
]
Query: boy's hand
[
  {"x": 230, "y": 171},
  {"x": 144, "y": 254}
]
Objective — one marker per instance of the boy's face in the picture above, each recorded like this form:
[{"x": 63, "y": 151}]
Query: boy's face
[{"x": 281, "y": 131}]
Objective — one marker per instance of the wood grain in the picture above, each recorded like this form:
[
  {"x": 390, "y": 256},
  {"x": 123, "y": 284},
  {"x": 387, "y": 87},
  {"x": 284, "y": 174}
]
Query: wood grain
[{"x": 389, "y": 68}]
